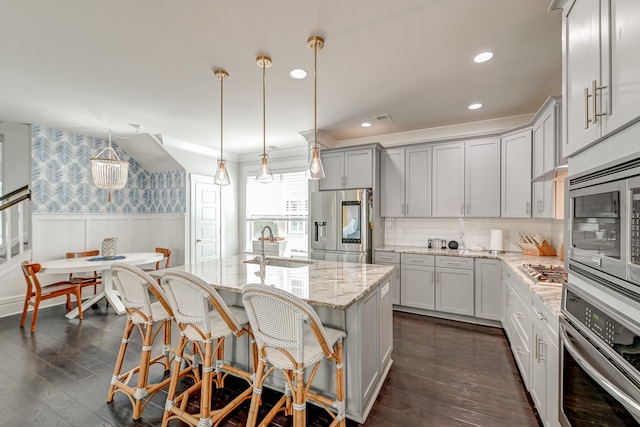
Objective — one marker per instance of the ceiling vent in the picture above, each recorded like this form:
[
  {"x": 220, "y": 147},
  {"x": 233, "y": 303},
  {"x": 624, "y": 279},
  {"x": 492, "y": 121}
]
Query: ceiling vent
[{"x": 383, "y": 118}]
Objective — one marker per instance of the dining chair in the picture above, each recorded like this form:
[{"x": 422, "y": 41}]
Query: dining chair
[
  {"x": 86, "y": 279},
  {"x": 291, "y": 338},
  {"x": 148, "y": 311},
  {"x": 166, "y": 260},
  {"x": 205, "y": 321},
  {"x": 37, "y": 293}
]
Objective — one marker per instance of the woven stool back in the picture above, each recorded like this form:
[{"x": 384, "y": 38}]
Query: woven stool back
[
  {"x": 279, "y": 319},
  {"x": 134, "y": 286},
  {"x": 191, "y": 299}
]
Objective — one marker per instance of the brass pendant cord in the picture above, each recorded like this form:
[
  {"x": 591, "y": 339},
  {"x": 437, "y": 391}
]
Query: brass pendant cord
[
  {"x": 221, "y": 121},
  {"x": 315, "y": 97},
  {"x": 264, "y": 108}
]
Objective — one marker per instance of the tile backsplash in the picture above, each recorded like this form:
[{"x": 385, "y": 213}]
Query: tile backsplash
[{"x": 469, "y": 232}]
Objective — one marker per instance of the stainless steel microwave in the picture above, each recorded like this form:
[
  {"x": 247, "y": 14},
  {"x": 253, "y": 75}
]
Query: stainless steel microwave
[{"x": 603, "y": 229}]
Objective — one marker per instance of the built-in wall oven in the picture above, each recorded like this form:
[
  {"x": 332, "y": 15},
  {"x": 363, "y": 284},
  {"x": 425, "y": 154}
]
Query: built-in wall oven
[
  {"x": 600, "y": 363},
  {"x": 600, "y": 322}
]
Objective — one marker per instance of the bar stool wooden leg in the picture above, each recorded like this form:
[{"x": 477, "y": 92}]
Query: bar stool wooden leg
[
  {"x": 173, "y": 384},
  {"x": 120, "y": 359},
  {"x": 299, "y": 398},
  {"x": 256, "y": 397}
]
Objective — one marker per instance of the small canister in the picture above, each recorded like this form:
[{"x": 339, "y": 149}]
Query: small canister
[{"x": 444, "y": 244}]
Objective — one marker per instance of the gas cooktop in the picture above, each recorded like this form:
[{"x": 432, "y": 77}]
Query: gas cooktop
[{"x": 545, "y": 273}]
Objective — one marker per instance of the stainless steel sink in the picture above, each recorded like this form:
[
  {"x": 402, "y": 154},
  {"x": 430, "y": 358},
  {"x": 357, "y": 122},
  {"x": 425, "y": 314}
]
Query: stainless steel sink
[{"x": 281, "y": 262}]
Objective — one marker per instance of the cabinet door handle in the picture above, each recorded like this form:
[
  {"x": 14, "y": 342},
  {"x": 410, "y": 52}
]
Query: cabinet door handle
[
  {"x": 537, "y": 354},
  {"x": 541, "y": 315},
  {"x": 586, "y": 108},
  {"x": 542, "y": 353},
  {"x": 594, "y": 99},
  {"x": 528, "y": 208}
]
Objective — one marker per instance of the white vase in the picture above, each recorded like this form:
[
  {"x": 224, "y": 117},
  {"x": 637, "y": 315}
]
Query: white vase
[{"x": 109, "y": 247}]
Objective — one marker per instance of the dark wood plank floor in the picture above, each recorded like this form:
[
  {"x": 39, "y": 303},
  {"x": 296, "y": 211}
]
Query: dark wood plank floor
[{"x": 444, "y": 374}]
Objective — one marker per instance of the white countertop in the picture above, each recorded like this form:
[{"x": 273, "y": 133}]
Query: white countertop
[
  {"x": 549, "y": 294},
  {"x": 321, "y": 283}
]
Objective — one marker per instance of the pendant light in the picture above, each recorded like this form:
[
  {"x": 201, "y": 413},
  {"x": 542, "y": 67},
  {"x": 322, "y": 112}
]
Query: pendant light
[
  {"x": 222, "y": 175},
  {"x": 264, "y": 172},
  {"x": 109, "y": 172},
  {"x": 316, "y": 170}
]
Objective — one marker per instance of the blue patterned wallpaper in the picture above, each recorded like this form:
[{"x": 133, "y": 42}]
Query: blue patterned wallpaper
[{"x": 62, "y": 184}]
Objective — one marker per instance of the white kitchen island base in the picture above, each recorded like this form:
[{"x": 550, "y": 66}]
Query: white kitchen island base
[{"x": 355, "y": 298}]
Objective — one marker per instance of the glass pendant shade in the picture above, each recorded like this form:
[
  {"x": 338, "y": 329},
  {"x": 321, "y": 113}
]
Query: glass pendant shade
[
  {"x": 264, "y": 173},
  {"x": 316, "y": 170},
  {"x": 222, "y": 176}
]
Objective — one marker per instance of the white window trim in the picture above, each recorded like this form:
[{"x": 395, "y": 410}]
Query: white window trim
[{"x": 293, "y": 165}]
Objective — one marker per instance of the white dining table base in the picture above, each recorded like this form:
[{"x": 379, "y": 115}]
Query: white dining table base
[{"x": 108, "y": 292}]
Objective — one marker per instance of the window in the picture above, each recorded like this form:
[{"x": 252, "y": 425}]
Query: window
[{"x": 284, "y": 206}]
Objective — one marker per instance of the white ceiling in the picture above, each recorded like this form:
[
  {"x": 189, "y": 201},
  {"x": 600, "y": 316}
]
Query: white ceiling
[{"x": 86, "y": 66}]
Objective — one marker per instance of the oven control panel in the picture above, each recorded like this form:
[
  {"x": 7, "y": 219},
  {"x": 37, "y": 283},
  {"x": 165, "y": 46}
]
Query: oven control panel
[
  {"x": 635, "y": 227},
  {"x": 601, "y": 322}
]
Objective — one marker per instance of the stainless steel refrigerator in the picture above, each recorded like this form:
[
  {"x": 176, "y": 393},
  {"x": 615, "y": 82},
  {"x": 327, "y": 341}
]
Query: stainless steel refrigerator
[{"x": 341, "y": 223}]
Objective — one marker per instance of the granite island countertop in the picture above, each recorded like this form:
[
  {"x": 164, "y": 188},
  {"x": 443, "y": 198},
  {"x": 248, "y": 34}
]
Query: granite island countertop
[
  {"x": 330, "y": 284},
  {"x": 549, "y": 294}
]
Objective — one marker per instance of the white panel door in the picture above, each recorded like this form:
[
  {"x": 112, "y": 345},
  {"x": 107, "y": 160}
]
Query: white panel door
[{"x": 207, "y": 217}]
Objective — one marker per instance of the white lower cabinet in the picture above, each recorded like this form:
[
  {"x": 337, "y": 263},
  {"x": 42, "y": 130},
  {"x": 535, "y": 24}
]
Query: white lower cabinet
[
  {"x": 544, "y": 387},
  {"x": 488, "y": 289},
  {"x": 454, "y": 285},
  {"x": 393, "y": 259},
  {"x": 532, "y": 329},
  {"x": 417, "y": 281}
]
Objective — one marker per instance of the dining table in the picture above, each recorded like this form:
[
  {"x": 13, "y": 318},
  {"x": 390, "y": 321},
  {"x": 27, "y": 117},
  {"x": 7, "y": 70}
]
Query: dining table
[{"x": 103, "y": 265}]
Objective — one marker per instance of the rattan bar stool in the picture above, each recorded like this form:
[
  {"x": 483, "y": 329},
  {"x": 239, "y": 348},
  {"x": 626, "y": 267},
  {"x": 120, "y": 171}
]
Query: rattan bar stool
[
  {"x": 205, "y": 320},
  {"x": 150, "y": 318},
  {"x": 291, "y": 338}
]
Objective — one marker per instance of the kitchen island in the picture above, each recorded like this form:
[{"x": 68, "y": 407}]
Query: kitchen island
[{"x": 355, "y": 298}]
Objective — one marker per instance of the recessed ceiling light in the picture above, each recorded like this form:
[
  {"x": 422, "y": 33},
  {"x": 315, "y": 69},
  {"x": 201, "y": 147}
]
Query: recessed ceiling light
[
  {"x": 365, "y": 124},
  {"x": 483, "y": 56},
  {"x": 297, "y": 73},
  {"x": 475, "y": 106}
]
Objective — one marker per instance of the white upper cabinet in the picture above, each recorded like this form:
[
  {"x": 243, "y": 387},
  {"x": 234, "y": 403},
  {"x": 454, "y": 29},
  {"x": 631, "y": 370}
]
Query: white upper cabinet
[
  {"x": 448, "y": 180},
  {"x": 602, "y": 86},
  {"x": 347, "y": 169},
  {"x": 417, "y": 185},
  {"x": 516, "y": 175},
  {"x": 482, "y": 178},
  {"x": 392, "y": 183},
  {"x": 406, "y": 182},
  {"x": 546, "y": 139},
  {"x": 543, "y": 200}
]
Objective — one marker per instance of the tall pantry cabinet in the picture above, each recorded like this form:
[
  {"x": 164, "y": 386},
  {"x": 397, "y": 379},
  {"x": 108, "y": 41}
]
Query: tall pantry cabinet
[{"x": 602, "y": 69}]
